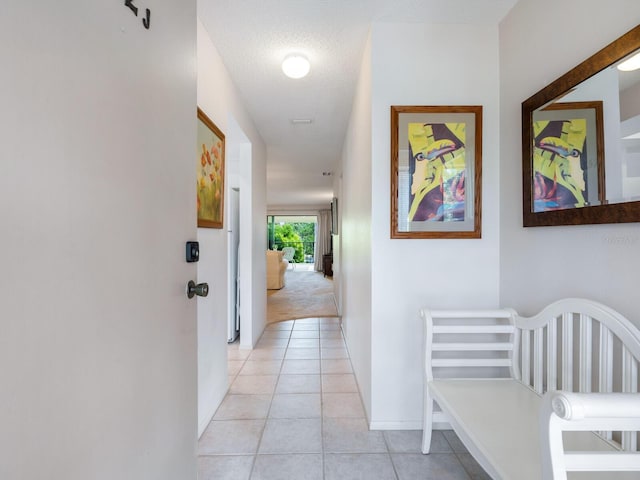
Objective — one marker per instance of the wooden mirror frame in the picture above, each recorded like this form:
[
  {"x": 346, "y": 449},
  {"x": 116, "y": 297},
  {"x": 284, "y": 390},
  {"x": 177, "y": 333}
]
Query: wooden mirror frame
[{"x": 607, "y": 213}]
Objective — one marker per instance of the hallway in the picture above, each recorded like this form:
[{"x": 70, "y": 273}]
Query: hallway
[{"x": 293, "y": 411}]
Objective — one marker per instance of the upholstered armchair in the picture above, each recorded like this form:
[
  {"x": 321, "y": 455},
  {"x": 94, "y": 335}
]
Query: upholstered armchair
[{"x": 276, "y": 266}]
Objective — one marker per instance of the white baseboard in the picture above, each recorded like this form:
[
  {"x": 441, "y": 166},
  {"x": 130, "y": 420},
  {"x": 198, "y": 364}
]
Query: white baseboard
[
  {"x": 440, "y": 422},
  {"x": 395, "y": 425}
]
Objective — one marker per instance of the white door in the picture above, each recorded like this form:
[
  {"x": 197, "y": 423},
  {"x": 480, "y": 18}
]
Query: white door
[{"x": 97, "y": 200}]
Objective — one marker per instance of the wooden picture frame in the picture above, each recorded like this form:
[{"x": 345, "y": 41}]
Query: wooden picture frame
[
  {"x": 210, "y": 173},
  {"x": 334, "y": 216},
  {"x": 436, "y": 171},
  {"x": 568, "y": 156},
  {"x": 578, "y": 84}
]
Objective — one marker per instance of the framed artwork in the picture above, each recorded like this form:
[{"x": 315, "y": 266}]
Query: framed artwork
[
  {"x": 334, "y": 216},
  {"x": 210, "y": 168},
  {"x": 436, "y": 171},
  {"x": 567, "y": 169}
]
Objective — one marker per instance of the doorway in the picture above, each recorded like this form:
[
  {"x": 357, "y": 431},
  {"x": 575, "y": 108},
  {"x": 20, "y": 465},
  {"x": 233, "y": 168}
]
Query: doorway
[
  {"x": 294, "y": 231},
  {"x": 233, "y": 245}
]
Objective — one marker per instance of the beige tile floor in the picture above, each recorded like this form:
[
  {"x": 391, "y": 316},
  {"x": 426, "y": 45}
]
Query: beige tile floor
[{"x": 293, "y": 411}]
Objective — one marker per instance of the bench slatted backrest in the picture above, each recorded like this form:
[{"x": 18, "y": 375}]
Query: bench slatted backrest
[
  {"x": 573, "y": 344},
  {"x": 580, "y": 346},
  {"x": 469, "y": 339}
]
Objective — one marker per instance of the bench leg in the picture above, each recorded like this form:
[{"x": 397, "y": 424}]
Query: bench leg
[
  {"x": 427, "y": 422},
  {"x": 552, "y": 447}
]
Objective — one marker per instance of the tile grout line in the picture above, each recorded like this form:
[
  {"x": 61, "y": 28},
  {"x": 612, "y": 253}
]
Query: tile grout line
[
  {"x": 457, "y": 456},
  {"x": 273, "y": 393},
  {"x": 279, "y": 375},
  {"x": 322, "y": 455},
  {"x": 321, "y": 374},
  {"x": 393, "y": 464}
]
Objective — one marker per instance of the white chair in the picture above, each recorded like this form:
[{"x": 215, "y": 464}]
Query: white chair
[{"x": 289, "y": 252}]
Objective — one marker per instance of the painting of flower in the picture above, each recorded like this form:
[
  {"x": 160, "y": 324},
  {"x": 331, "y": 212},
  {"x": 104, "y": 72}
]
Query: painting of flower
[{"x": 210, "y": 178}]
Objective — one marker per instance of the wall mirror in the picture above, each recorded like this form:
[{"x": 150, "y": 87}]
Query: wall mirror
[{"x": 581, "y": 142}]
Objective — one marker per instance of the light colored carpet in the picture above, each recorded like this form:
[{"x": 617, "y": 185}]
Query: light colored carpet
[{"x": 304, "y": 295}]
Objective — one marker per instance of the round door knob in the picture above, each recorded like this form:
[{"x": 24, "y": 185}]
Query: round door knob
[{"x": 200, "y": 289}]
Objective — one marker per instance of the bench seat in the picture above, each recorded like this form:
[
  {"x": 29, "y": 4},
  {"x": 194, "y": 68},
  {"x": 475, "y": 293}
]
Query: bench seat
[
  {"x": 553, "y": 396},
  {"x": 504, "y": 438}
]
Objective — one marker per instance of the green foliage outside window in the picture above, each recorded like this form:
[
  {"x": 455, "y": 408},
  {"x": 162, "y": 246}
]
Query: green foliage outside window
[
  {"x": 307, "y": 232},
  {"x": 285, "y": 236},
  {"x": 299, "y": 235}
]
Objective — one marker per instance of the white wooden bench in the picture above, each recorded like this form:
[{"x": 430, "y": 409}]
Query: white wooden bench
[{"x": 535, "y": 398}]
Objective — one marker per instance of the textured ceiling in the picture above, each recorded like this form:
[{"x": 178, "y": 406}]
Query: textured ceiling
[{"x": 253, "y": 37}]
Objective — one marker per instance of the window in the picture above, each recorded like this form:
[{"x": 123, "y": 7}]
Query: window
[{"x": 297, "y": 231}]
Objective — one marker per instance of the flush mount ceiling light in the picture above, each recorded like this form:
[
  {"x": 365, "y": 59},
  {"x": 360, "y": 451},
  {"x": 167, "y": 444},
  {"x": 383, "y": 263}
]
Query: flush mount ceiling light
[
  {"x": 631, "y": 64},
  {"x": 295, "y": 66}
]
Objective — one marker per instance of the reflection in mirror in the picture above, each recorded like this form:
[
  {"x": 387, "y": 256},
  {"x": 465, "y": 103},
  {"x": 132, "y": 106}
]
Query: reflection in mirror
[
  {"x": 630, "y": 131},
  {"x": 581, "y": 142},
  {"x": 568, "y": 170}
]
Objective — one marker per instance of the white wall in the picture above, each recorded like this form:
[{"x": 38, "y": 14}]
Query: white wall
[
  {"x": 338, "y": 289},
  {"x": 97, "y": 199},
  {"x": 542, "y": 264},
  {"x": 297, "y": 209},
  {"x": 354, "y": 245},
  {"x": 630, "y": 102},
  {"x": 255, "y": 275},
  {"x": 426, "y": 65},
  {"x": 218, "y": 98}
]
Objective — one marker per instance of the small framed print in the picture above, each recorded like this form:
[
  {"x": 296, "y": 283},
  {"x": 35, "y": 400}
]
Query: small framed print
[{"x": 210, "y": 178}]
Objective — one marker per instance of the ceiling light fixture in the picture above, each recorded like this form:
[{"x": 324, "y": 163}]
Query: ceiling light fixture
[
  {"x": 295, "y": 66},
  {"x": 631, "y": 64},
  {"x": 301, "y": 121}
]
